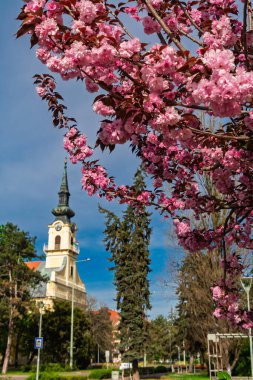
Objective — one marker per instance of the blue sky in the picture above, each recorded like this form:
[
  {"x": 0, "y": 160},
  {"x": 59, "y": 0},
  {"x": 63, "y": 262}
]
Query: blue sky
[{"x": 31, "y": 166}]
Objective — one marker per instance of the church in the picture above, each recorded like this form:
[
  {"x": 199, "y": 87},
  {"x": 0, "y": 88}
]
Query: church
[{"x": 61, "y": 253}]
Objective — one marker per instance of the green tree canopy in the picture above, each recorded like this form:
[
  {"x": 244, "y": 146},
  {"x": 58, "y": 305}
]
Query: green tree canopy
[
  {"x": 56, "y": 334},
  {"x": 16, "y": 279},
  {"x": 161, "y": 339}
]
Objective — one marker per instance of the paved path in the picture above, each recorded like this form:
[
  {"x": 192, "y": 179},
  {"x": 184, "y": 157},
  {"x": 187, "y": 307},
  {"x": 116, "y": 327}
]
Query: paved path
[
  {"x": 14, "y": 377},
  {"x": 24, "y": 377}
]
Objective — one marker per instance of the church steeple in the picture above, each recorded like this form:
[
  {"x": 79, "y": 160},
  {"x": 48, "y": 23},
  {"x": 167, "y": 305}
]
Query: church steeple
[{"x": 63, "y": 212}]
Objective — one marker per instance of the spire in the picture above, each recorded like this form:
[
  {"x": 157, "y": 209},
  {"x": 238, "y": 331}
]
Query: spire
[
  {"x": 64, "y": 182},
  {"x": 63, "y": 212}
]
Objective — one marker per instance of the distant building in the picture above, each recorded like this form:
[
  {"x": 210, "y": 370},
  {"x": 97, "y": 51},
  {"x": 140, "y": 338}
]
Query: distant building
[
  {"x": 115, "y": 319},
  {"x": 61, "y": 253}
]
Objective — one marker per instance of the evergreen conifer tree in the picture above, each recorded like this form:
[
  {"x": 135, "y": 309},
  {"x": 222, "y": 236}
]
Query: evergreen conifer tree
[{"x": 128, "y": 240}]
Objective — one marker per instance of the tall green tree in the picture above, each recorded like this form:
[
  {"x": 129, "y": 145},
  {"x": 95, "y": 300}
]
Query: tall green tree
[
  {"x": 162, "y": 332},
  {"x": 128, "y": 241},
  {"x": 16, "y": 279}
]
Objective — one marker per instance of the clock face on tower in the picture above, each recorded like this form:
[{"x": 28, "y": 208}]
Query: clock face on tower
[{"x": 58, "y": 227}]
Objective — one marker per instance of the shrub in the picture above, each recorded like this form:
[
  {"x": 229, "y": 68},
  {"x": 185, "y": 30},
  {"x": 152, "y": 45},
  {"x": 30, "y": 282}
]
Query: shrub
[
  {"x": 146, "y": 370},
  {"x": 101, "y": 374},
  {"x": 45, "y": 376},
  {"x": 95, "y": 366},
  {"x": 56, "y": 367},
  {"x": 160, "y": 369},
  {"x": 223, "y": 375}
]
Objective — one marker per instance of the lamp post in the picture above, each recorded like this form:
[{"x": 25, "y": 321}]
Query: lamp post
[
  {"x": 72, "y": 314},
  {"x": 246, "y": 284},
  {"x": 41, "y": 306}
]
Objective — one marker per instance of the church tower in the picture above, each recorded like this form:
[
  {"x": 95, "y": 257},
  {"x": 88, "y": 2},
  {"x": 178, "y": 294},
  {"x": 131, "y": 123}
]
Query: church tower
[
  {"x": 62, "y": 232},
  {"x": 61, "y": 253}
]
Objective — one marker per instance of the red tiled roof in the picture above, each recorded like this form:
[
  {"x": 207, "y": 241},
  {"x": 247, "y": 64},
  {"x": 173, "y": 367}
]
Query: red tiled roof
[
  {"x": 114, "y": 316},
  {"x": 33, "y": 264}
]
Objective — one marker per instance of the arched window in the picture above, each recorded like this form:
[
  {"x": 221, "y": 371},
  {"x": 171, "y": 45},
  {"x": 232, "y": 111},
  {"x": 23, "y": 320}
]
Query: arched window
[{"x": 57, "y": 243}]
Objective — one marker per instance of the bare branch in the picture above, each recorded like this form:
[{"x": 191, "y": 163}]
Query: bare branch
[
  {"x": 161, "y": 38},
  {"x": 191, "y": 38}
]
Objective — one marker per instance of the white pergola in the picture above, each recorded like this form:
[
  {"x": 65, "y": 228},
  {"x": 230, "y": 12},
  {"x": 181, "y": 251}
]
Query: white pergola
[{"x": 214, "y": 346}]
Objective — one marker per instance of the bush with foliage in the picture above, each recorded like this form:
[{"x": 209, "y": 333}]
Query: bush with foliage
[
  {"x": 45, "y": 376},
  {"x": 161, "y": 369},
  {"x": 101, "y": 374},
  {"x": 55, "y": 376},
  {"x": 223, "y": 375},
  {"x": 55, "y": 367}
]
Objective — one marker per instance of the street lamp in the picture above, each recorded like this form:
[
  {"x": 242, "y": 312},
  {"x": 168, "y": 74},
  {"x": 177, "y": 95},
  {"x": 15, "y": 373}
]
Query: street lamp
[
  {"x": 72, "y": 314},
  {"x": 41, "y": 309},
  {"x": 246, "y": 284}
]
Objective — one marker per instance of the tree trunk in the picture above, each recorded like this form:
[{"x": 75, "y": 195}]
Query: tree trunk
[
  {"x": 191, "y": 363},
  {"x": 9, "y": 342},
  {"x": 136, "y": 375},
  {"x": 17, "y": 349},
  {"x": 236, "y": 357},
  {"x": 225, "y": 358},
  {"x": 31, "y": 357}
]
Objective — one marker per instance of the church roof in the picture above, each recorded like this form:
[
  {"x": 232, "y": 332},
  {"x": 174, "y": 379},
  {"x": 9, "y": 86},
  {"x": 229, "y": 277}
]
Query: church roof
[
  {"x": 41, "y": 290},
  {"x": 33, "y": 264}
]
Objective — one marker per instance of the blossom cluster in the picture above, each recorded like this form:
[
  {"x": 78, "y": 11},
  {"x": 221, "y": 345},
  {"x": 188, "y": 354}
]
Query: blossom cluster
[{"x": 76, "y": 144}]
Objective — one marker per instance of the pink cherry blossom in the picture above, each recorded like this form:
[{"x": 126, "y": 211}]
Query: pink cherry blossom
[
  {"x": 128, "y": 48},
  {"x": 101, "y": 109},
  {"x": 150, "y": 26},
  {"x": 87, "y": 11}
]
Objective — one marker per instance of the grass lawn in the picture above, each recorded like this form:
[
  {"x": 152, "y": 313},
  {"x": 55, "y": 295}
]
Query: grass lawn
[{"x": 186, "y": 376}]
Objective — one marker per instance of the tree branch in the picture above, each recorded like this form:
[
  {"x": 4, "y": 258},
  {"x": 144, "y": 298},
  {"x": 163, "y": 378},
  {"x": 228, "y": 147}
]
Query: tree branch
[
  {"x": 121, "y": 24},
  {"x": 190, "y": 18},
  {"x": 216, "y": 135},
  {"x": 164, "y": 26},
  {"x": 191, "y": 38}
]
